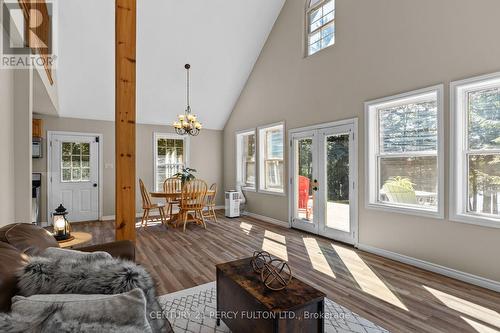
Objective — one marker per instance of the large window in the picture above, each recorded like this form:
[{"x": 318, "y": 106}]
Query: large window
[
  {"x": 246, "y": 162},
  {"x": 404, "y": 152},
  {"x": 320, "y": 18},
  {"x": 271, "y": 159},
  {"x": 476, "y": 150},
  {"x": 170, "y": 156}
]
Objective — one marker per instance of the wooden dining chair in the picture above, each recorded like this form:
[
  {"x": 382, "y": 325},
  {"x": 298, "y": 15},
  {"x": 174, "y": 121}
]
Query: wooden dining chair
[
  {"x": 172, "y": 185},
  {"x": 148, "y": 206},
  {"x": 210, "y": 203},
  {"x": 193, "y": 200}
]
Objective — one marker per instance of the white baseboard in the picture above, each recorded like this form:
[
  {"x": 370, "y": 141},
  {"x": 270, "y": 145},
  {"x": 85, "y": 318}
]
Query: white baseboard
[
  {"x": 268, "y": 219},
  {"x": 446, "y": 271}
]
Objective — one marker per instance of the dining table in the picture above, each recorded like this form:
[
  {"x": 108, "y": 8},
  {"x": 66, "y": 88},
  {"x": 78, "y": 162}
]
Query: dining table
[{"x": 174, "y": 196}]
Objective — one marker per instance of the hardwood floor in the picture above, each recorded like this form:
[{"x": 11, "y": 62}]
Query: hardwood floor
[{"x": 399, "y": 297}]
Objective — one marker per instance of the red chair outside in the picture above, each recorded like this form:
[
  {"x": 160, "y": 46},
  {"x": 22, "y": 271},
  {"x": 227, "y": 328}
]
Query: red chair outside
[{"x": 304, "y": 184}]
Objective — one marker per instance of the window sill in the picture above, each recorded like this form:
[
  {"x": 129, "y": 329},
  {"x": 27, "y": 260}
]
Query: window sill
[
  {"x": 422, "y": 212},
  {"x": 276, "y": 193},
  {"x": 249, "y": 189},
  {"x": 479, "y": 220}
]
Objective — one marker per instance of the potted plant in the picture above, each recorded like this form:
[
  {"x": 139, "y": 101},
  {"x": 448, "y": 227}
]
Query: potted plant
[{"x": 185, "y": 175}]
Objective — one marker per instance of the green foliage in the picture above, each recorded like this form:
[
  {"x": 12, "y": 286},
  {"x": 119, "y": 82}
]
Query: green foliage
[
  {"x": 186, "y": 175},
  {"x": 401, "y": 182},
  {"x": 409, "y": 127}
]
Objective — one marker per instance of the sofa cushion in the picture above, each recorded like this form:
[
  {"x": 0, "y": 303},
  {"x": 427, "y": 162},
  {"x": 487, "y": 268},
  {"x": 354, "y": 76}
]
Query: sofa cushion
[
  {"x": 12, "y": 262},
  {"x": 27, "y": 238},
  {"x": 90, "y": 275},
  {"x": 118, "y": 313}
]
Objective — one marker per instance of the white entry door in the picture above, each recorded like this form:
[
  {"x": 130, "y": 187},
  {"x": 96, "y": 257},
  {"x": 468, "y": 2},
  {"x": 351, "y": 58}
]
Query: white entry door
[
  {"x": 323, "y": 175},
  {"x": 74, "y": 176}
]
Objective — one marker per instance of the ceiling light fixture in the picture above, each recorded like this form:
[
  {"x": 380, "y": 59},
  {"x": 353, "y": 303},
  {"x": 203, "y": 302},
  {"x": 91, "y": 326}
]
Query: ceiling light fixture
[{"x": 187, "y": 123}]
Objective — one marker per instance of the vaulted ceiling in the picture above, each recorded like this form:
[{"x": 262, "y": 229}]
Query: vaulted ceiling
[{"x": 221, "y": 39}]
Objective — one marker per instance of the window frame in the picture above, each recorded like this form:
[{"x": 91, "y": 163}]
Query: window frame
[
  {"x": 372, "y": 154},
  {"x": 261, "y": 143},
  {"x": 239, "y": 167},
  {"x": 172, "y": 136},
  {"x": 459, "y": 149},
  {"x": 307, "y": 33}
]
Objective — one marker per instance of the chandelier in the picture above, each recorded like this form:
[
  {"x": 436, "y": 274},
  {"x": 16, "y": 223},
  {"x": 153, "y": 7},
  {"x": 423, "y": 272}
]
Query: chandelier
[{"x": 187, "y": 123}]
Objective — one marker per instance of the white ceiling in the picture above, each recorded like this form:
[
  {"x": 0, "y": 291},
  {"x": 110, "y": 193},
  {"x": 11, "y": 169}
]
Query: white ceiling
[{"x": 221, "y": 39}]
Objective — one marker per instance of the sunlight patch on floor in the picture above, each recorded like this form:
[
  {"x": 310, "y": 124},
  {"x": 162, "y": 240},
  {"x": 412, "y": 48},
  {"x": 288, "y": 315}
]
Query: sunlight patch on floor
[
  {"x": 151, "y": 223},
  {"x": 471, "y": 309},
  {"x": 275, "y": 237},
  {"x": 317, "y": 257},
  {"x": 246, "y": 227},
  {"x": 274, "y": 248},
  {"x": 481, "y": 328},
  {"x": 369, "y": 282}
]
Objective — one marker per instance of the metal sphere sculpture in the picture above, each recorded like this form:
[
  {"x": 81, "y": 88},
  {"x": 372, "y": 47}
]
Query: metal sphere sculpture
[
  {"x": 260, "y": 258},
  {"x": 276, "y": 274}
]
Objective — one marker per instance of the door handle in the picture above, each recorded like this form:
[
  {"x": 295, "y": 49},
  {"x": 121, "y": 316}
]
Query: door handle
[
  {"x": 95, "y": 185},
  {"x": 315, "y": 185}
]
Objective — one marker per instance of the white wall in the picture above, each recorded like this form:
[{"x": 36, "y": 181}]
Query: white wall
[
  {"x": 383, "y": 47},
  {"x": 206, "y": 156},
  {"x": 23, "y": 106},
  {"x": 7, "y": 140}
]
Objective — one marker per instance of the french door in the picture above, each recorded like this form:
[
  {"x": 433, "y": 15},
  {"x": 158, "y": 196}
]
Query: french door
[{"x": 323, "y": 181}]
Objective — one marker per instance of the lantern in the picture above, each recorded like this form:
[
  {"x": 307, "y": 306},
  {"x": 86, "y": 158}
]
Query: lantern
[{"x": 61, "y": 225}]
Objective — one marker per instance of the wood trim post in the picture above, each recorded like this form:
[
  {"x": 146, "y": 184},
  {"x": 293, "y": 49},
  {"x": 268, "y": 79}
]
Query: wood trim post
[{"x": 125, "y": 85}]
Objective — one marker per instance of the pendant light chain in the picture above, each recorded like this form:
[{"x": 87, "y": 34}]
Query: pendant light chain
[{"x": 187, "y": 91}]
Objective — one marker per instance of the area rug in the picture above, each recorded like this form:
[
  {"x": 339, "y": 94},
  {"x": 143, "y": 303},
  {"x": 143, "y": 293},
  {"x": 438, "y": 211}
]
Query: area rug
[{"x": 194, "y": 310}]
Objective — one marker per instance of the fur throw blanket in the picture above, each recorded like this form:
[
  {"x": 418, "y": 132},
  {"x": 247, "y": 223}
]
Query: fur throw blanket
[{"x": 92, "y": 274}]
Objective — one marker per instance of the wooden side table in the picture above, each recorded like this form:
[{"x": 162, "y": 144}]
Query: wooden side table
[
  {"x": 246, "y": 305},
  {"x": 78, "y": 238}
]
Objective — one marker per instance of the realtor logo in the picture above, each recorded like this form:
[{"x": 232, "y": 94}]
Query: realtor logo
[{"x": 26, "y": 39}]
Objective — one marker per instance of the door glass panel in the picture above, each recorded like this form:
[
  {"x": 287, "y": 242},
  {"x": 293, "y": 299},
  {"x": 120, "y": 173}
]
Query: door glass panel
[
  {"x": 75, "y": 162},
  {"x": 337, "y": 182},
  {"x": 304, "y": 194}
]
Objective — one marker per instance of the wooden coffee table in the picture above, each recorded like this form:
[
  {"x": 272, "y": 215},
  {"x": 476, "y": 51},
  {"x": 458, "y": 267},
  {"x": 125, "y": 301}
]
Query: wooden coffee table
[
  {"x": 80, "y": 238},
  {"x": 244, "y": 304}
]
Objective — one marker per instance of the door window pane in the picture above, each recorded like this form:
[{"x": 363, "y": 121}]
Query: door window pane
[
  {"x": 75, "y": 156},
  {"x": 337, "y": 182},
  {"x": 484, "y": 184},
  {"x": 409, "y": 180},
  {"x": 304, "y": 192}
]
